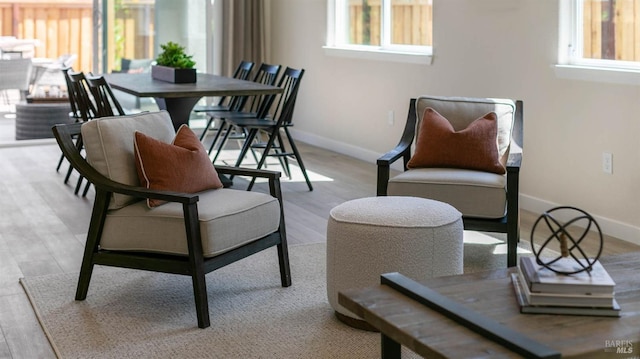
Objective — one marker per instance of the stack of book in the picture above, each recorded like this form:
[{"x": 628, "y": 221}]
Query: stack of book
[{"x": 542, "y": 291}]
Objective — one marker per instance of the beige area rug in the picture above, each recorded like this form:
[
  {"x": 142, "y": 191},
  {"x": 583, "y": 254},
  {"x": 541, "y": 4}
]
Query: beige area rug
[{"x": 137, "y": 314}]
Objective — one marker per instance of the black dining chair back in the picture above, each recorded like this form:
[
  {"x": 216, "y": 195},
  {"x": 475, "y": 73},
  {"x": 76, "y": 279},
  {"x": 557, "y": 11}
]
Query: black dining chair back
[
  {"x": 83, "y": 109},
  {"x": 106, "y": 102},
  {"x": 274, "y": 117},
  {"x": 224, "y": 103},
  {"x": 74, "y": 109},
  {"x": 79, "y": 92},
  {"x": 266, "y": 74}
]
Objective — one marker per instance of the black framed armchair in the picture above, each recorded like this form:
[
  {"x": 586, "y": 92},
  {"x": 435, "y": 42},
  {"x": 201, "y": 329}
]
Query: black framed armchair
[
  {"x": 488, "y": 200},
  {"x": 193, "y": 233}
]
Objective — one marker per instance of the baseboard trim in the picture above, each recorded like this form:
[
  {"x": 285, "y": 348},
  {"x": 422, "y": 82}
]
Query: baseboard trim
[
  {"x": 610, "y": 227},
  {"x": 341, "y": 147}
]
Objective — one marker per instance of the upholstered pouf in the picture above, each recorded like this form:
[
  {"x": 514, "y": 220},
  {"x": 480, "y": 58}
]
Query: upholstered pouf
[{"x": 417, "y": 237}]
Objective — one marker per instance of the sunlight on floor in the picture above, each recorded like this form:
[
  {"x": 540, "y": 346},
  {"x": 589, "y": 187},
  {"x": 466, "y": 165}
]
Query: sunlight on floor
[
  {"x": 228, "y": 158},
  {"x": 478, "y": 238}
]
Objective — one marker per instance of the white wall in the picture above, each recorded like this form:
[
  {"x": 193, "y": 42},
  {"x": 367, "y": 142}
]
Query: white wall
[{"x": 482, "y": 48}]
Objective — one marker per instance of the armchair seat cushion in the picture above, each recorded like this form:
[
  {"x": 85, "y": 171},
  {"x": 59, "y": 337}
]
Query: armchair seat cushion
[
  {"x": 228, "y": 219},
  {"x": 474, "y": 193}
]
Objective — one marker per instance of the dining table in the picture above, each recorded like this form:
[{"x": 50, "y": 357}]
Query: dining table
[{"x": 178, "y": 99}]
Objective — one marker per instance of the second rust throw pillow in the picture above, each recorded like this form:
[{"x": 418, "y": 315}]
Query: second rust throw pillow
[{"x": 474, "y": 148}]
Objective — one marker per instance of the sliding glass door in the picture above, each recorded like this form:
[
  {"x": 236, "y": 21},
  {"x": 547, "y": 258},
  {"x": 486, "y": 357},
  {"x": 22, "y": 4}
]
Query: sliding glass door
[{"x": 134, "y": 29}]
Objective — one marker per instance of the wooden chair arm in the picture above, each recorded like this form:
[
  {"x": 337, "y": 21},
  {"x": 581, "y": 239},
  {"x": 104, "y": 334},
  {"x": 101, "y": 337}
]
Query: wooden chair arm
[
  {"x": 514, "y": 162},
  {"x": 402, "y": 150},
  {"x": 243, "y": 171}
]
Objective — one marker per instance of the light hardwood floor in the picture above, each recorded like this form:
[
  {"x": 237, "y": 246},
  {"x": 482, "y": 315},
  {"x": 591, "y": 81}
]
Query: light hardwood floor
[{"x": 43, "y": 224}]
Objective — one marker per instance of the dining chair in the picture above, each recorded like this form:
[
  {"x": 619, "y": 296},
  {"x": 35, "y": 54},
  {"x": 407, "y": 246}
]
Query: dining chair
[
  {"x": 72, "y": 102},
  {"x": 242, "y": 72},
  {"x": 84, "y": 110},
  {"x": 106, "y": 102},
  {"x": 247, "y": 106},
  {"x": 274, "y": 117}
]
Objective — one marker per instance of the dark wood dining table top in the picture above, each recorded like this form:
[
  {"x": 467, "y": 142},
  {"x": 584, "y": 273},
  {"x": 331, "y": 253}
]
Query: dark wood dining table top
[{"x": 143, "y": 85}]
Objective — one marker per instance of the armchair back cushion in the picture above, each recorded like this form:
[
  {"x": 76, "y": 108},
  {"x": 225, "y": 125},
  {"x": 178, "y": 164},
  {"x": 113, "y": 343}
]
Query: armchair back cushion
[
  {"x": 108, "y": 143},
  {"x": 462, "y": 111}
]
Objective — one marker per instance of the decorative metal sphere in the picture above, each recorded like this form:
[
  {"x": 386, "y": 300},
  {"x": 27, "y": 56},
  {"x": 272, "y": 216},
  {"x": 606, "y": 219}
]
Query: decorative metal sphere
[{"x": 568, "y": 236}]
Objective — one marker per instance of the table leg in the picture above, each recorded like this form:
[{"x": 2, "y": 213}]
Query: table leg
[
  {"x": 179, "y": 108},
  {"x": 390, "y": 348}
]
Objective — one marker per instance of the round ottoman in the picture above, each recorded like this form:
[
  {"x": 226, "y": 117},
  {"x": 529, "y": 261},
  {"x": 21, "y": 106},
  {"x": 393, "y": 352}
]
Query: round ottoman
[{"x": 417, "y": 237}]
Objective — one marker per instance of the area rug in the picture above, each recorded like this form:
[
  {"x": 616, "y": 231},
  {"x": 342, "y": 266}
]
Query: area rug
[{"x": 137, "y": 314}]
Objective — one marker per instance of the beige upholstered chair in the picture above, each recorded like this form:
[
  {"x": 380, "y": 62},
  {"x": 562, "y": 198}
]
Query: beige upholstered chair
[
  {"x": 488, "y": 201},
  {"x": 192, "y": 234}
]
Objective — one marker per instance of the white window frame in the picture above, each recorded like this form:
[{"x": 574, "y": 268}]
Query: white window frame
[
  {"x": 571, "y": 65},
  {"x": 337, "y": 45}
]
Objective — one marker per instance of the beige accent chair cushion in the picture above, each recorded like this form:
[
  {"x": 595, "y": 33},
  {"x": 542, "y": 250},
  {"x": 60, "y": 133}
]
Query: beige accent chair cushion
[
  {"x": 474, "y": 193},
  {"x": 228, "y": 219},
  {"x": 108, "y": 143}
]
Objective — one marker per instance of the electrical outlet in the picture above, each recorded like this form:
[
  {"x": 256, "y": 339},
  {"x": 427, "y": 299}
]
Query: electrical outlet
[
  {"x": 390, "y": 118},
  {"x": 607, "y": 163}
]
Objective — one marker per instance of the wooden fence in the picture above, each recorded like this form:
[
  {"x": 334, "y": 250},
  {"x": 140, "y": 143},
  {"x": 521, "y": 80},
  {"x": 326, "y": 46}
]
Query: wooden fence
[
  {"x": 411, "y": 22},
  {"x": 62, "y": 27},
  {"x": 612, "y": 29},
  {"x": 66, "y": 27}
]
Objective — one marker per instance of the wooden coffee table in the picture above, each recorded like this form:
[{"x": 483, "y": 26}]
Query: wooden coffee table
[{"x": 490, "y": 294}]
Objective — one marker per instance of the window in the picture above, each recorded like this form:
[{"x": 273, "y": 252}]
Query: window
[
  {"x": 601, "y": 35},
  {"x": 381, "y": 26}
]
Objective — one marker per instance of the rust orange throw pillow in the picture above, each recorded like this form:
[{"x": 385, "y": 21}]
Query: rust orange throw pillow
[
  {"x": 474, "y": 148},
  {"x": 181, "y": 166}
]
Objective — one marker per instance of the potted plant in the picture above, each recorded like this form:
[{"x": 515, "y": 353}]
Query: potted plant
[{"x": 174, "y": 65}]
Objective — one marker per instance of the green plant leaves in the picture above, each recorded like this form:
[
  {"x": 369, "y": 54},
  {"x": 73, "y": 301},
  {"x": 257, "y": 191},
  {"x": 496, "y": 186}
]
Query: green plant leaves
[{"x": 174, "y": 55}]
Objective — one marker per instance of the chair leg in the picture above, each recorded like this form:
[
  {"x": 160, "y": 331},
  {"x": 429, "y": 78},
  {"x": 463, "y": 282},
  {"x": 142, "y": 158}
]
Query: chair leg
[
  {"x": 513, "y": 237},
  {"x": 222, "y": 143},
  {"x": 78, "y": 185},
  {"x": 246, "y": 146},
  {"x": 206, "y": 128},
  {"x": 59, "y": 163},
  {"x": 86, "y": 189},
  {"x": 217, "y": 137},
  {"x": 283, "y": 259},
  {"x": 66, "y": 178},
  {"x": 296, "y": 153},
  {"x": 200, "y": 294},
  {"x": 196, "y": 264},
  {"x": 284, "y": 161},
  {"x": 98, "y": 216},
  {"x": 263, "y": 158}
]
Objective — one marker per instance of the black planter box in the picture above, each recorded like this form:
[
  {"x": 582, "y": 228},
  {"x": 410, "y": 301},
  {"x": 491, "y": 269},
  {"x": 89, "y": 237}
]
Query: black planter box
[{"x": 171, "y": 74}]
